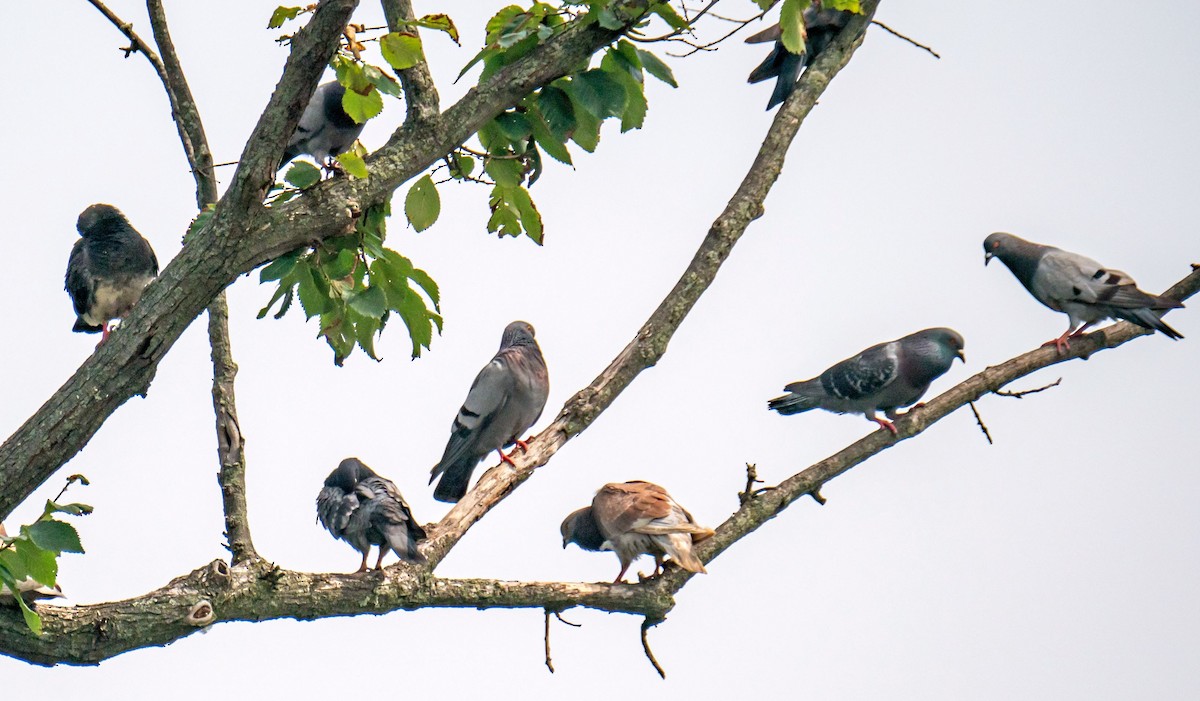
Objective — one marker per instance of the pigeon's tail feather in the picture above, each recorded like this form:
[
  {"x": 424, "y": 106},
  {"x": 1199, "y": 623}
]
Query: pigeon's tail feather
[
  {"x": 82, "y": 326},
  {"x": 789, "y": 72},
  {"x": 796, "y": 401},
  {"x": 1149, "y": 320},
  {"x": 455, "y": 479},
  {"x": 402, "y": 542},
  {"x": 679, "y": 547}
]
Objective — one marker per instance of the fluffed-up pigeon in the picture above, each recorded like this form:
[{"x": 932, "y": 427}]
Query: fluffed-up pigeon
[
  {"x": 821, "y": 26},
  {"x": 885, "y": 377},
  {"x": 324, "y": 130},
  {"x": 109, "y": 267},
  {"x": 364, "y": 509},
  {"x": 507, "y": 397},
  {"x": 1078, "y": 286},
  {"x": 636, "y": 518}
]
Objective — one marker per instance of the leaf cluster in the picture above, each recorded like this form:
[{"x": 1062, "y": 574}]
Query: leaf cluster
[{"x": 33, "y": 553}]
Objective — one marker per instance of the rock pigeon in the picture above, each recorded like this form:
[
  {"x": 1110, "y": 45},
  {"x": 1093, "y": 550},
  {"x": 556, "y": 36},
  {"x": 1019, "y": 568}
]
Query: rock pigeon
[
  {"x": 506, "y": 398},
  {"x": 821, "y": 26},
  {"x": 364, "y": 509},
  {"x": 109, "y": 267},
  {"x": 636, "y": 518},
  {"x": 1078, "y": 286},
  {"x": 325, "y": 130},
  {"x": 884, "y": 377}
]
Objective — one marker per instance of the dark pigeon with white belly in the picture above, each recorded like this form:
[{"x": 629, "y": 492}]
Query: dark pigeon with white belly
[{"x": 110, "y": 265}]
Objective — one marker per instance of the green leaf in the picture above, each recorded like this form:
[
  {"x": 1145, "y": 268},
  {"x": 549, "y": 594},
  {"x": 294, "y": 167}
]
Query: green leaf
[
  {"x": 555, "y": 105},
  {"x": 587, "y": 131},
  {"x": 549, "y": 142},
  {"x": 383, "y": 82},
  {"x": 764, "y": 4},
  {"x": 422, "y": 204},
  {"x": 282, "y": 292},
  {"x": 303, "y": 175},
  {"x": 351, "y": 74},
  {"x": 598, "y": 92},
  {"x": 441, "y": 23},
  {"x": 340, "y": 264},
  {"x": 854, "y": 6},
  {"x": 362, "y": 106},
  {"x": 461, "y": 165},
  {"x": 515, "y": 126},
  {"x": 401, "y": 49},
  {"x": 505, "y": 171},
  {"x": 73, "y": 509},
  {"x": 314, "y": 293},
  {"x": 56, "y": 536},
  {"x": 791, "y": 21},
  {"x": 12, "y": 562},
  {"x": 655, "y": 67},
  {"x": 370, "y": 302},
  {"x": 427, "y": 284},
  {"x": 281, "y": 15},
  {"x": 670, "y": 16},
  {"x": 201, "y": 220},
  {"x": 280, "y": 267},
  {"x": 39, "y": 563},
  {"x": 365, "y": 331},
  {"x": 31, "y": 619},
  {"x": 635, "y": 102},
  {"x": 514, "y": 213},
  {"x": 353, "y": 163},
  {"x": 531, "y": 219}
]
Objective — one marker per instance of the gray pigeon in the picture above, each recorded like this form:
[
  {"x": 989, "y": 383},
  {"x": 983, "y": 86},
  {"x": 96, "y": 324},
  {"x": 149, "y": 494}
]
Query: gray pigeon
[
  {"x": 507, "y": 397},
  {"x": 109, "y": 267},
  {"x": 821, "y": 26},
  {"x": 1078, "y": 286},
  {"x": 364, "y": 509},
  {"x": 636, "y": 518},
  {"x": 884, "y": 377},
  {"x": 325, "y": 130}
]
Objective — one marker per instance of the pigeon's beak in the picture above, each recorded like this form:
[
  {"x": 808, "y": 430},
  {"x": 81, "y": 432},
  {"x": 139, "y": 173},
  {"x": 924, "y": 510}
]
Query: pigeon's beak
[
  {"x": 962, "y": 354},
  {"x": 987, "y": 257}
]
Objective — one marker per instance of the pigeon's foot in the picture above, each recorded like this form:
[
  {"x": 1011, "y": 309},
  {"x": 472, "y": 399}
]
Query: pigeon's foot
[
  {"x": 363, "y": 566},
  {"x": 522, "y": 444},
  {"x": 1061, "y": 343},
  {"x": 505, "y": 458},
  {"x": 379, "y": 562},
  {"x": 884, "y": 423}
]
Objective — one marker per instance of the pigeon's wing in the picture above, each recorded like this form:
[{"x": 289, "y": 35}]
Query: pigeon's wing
[
  {"x": 486, "y": 399},
  {"x": 334, "y": 509},
  {"x": 80, "y": 283},
  {"x": 864, "y": 375},
  {"x": 392, "y": 506},
  {"x": 1062, "y": 276},
  {"x": 625, "y": 507}
]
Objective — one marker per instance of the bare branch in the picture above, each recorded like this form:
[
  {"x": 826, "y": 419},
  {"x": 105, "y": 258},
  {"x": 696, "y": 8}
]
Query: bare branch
[
  {"x": 1022, "y": 393},
  {"x": 979, "y": 422},
  {"x": 910, "y": 40},
  {"x": 549, "y": 662},
  {"x": 647, "y": 623}
]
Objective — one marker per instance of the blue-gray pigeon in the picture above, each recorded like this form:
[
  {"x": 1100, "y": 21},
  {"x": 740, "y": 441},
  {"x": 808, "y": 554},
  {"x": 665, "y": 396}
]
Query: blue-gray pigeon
[
  {"x": 325, "y": 130},
  {"x": 885, "y": 377},
  {"x": 1078, "y": 286},
  {"x": 821, "y": 27},
  {"x": 364, "y": 509},
  {"x": 109, "y": 267},
  {"x": 507, "y": 397},
  {"x": 636, "y": 518}
]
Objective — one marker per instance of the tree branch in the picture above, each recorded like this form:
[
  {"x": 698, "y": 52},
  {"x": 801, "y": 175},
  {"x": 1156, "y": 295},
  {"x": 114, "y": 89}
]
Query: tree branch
[{"x": 420, "y": 92}]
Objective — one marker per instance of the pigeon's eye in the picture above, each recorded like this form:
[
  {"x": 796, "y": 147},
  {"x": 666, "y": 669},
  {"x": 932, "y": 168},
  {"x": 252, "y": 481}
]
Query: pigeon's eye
[{"x": 995, "y": 244}]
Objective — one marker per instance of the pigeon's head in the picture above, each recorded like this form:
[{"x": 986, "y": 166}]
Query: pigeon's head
[
  {"x": 999, "y": 244},
  {"x": 581, "y": 529},
  {"x": 349, "y": 473},
  {"x": 331, "y": 94},
  {"x": 518, "y": 333},
  {"x": 97, "y": 218},
  {"x": 949, "y": 342}
]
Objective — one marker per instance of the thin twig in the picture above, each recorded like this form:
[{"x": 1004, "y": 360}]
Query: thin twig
[
  {"x": 910, "y": 40},
  {"x": 549, "y": 662},
  {"x": 982, "y": 426},
  {"x": 1022, "y": 393},
  {"x": 646, "y": 624},
  {"x": 751, "y": 480},
  {"x": 563, "y": 620},
  {"x": 691, "y": 21}
]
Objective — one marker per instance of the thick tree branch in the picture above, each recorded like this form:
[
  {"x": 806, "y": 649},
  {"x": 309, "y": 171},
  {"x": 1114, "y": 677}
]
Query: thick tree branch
[
  {"x": 420, "y": 92},
  {"x": 651, "y": 341}
]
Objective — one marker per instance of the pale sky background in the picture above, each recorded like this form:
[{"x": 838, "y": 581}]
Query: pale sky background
[{"x": 1062, "y": 562}]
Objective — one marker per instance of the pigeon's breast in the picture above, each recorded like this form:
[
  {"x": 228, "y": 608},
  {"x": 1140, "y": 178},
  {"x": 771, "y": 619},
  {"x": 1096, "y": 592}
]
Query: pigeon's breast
[{"x": 114, "y": 298}]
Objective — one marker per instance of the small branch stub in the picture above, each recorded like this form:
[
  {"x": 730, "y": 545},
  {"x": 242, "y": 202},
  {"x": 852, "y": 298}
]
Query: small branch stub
[
  {"x": 201, "y": 614},
  {"x": 982, "y": 426},
  {"x": 646, "y": 625},
  {"x": 1022, "y": 393}
]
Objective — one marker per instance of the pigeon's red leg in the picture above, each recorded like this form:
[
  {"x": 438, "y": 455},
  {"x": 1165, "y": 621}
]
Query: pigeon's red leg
[
  {"x": 505, "y": 458},
  {"x": 621, "y": 575},
  {"x": 363, "y": 566},
  {"x": 1079, "y": 332},
  {"x": 104, "y": 333},
  {"x": 884, "y": 423},
  {"x": 379, "y": 562},
  {"x": 522, "y": 444}
]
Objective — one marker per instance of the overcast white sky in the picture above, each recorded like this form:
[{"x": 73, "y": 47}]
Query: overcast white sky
[{"x": 1062, "y": 562}]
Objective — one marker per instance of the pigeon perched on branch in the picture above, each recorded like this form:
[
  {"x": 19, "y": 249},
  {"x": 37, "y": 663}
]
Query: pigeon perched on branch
[
  {"x": 109, "y": 267},
  {"x": 325, "y": 130},
  {"x": 885, "y": 377},
  {"x": 821, "y": 27},
  {"x": 507, "y": 397},
  {"x": 636, "y": 518},
  {"x": 1079, "y": 287},
  {"x": 364, "y": 509}
]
